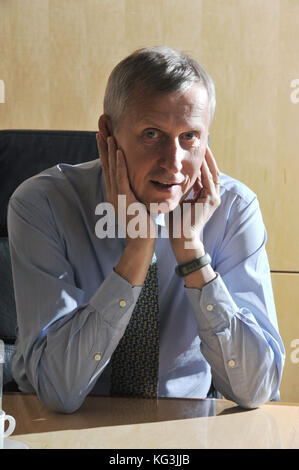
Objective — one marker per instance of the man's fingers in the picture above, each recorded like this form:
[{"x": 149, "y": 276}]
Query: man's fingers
[
  {"x": 206, "y": 175},
  {"x": 103, "y": 154},
  {"x": 212, "y": 165},
  {"x": 103, "y": 151},
  {"x": 210, "y": 174},
  {"x": 112, "y": 158},
  {"x": 114, "y": 167},
  {"x": 197, "y": 189},
  {"x": 210, "y": 186},
  {"x": 123, "y": 183}
]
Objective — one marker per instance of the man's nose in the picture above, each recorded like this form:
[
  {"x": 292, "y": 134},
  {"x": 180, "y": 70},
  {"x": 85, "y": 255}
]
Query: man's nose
[{"x": 173, "y": 156}]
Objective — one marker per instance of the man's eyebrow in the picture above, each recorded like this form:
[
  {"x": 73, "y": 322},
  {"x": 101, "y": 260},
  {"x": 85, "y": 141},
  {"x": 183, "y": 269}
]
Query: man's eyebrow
[
  {"x": 198, "y": 130},
  {"x": 152, "y": 123}
]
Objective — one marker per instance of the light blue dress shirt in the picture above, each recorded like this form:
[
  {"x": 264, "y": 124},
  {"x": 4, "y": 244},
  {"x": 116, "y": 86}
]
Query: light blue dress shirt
[{"x": 72, "y": 308}]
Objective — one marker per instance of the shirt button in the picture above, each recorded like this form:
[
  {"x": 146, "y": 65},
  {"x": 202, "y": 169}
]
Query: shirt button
[
  {"x": 210, "y": 307},
  {"x": 122, "y": 303},
  {"x": 231, "y": 363},
  {"x": 97, "y": 356}
]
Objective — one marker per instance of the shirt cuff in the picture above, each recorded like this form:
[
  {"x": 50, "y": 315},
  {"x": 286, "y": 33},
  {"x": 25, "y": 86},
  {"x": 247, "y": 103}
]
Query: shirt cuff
[
  {"x": 213, "y": 305},
  {"x": 114, "y": 298}
]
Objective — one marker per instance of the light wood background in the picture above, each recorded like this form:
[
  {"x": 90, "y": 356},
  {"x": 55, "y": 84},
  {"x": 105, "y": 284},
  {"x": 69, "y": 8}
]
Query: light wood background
[{"x": 56, "y": 55}]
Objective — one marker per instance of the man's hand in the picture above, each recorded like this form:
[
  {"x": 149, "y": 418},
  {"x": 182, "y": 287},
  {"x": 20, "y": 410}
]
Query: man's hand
[
  {"x": 117, "y": 183},
  {"x": 138, "y": 253},
  {"x": 196, "y": 212}
]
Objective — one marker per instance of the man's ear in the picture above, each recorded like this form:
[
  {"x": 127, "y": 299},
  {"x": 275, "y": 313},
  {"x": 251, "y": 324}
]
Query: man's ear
[{"x": 105, "y": 126}]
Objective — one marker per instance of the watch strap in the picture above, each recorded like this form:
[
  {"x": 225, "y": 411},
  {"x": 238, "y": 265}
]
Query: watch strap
[{"x": 183, "y": 270}]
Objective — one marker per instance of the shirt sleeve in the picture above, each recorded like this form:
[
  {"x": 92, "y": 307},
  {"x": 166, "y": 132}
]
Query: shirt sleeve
[
  {"x": 64, "y": 341},
  {"x": 236, "y": 314}
]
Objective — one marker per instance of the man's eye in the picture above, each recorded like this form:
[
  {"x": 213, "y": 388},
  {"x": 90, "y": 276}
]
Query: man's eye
[
  {"x": 189, "y": 136},
  {"x": 151, "y": 134}
]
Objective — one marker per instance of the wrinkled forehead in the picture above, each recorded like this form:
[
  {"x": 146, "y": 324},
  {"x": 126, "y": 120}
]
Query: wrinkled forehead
[{"x": 190, "y": 104}]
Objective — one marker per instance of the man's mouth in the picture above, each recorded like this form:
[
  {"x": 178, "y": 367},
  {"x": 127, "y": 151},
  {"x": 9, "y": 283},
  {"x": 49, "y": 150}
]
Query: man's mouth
[
  {"x": 164, "y": 187},
  {"x": 160, "y": 184}
]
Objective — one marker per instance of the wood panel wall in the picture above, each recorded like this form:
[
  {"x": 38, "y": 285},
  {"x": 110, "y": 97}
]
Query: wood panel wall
[{"x": 56, "y": 55}]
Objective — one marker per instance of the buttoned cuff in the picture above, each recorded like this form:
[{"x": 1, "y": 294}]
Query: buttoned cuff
[
  {"x": 114, "y": 298},
  {"x": 213, "y": 305}
]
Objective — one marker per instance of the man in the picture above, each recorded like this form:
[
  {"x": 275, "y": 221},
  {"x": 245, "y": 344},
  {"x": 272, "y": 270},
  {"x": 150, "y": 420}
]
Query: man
[{"x": 77, "y": 291}]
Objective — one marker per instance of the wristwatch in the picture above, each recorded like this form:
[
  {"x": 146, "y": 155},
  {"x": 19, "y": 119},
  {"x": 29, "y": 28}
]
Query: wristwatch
[{"x": 183, "y": 270}]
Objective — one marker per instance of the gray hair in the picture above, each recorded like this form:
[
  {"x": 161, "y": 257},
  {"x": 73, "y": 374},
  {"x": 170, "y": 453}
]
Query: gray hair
[{"x": 157, "y": 69}]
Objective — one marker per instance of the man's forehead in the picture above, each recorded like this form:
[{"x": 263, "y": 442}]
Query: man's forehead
[
  {"x": 191, "y": 104},
  {"x": 148, "y": 114}
]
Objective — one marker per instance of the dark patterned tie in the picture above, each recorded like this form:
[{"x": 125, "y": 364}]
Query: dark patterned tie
[{"x": 135, "y": 362}]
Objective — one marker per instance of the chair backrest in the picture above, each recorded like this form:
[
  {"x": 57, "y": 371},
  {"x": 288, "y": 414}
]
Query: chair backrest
[{"x": 24, "y": 153}]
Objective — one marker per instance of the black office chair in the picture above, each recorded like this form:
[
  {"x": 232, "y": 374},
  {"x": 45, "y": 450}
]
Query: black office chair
[{"x": 24, "y": 153}]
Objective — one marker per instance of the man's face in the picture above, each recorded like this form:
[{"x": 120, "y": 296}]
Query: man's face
[{"x": 164, "y": 138}]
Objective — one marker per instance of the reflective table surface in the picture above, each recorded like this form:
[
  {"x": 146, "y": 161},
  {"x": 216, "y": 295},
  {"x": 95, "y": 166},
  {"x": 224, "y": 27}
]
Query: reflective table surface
[{"x": 172, "y": 423}]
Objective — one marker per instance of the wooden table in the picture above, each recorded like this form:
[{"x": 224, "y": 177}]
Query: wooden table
[{"x": 165, "y": 423}]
